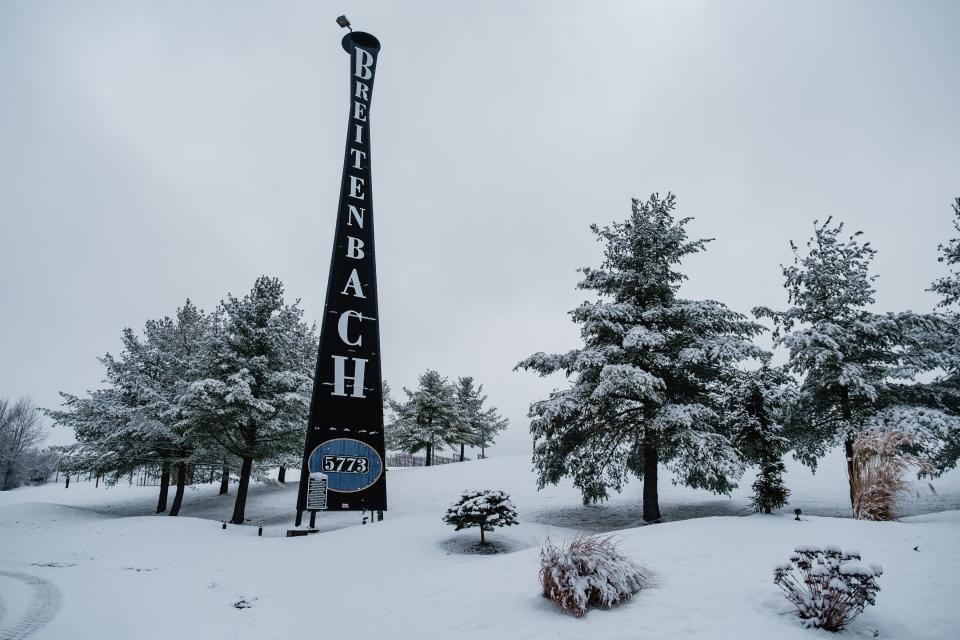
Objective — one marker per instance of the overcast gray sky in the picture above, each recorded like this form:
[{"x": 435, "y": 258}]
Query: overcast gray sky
[{"x": 154, "y": 151}]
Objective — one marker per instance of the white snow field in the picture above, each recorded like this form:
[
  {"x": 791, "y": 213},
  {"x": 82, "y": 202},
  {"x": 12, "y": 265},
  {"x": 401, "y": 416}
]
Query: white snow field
[{"x": 89, "y": 562}]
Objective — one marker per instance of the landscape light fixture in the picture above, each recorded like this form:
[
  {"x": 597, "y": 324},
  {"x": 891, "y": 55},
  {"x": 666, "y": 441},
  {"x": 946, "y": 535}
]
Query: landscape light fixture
[{"x": 344, "y": 23}]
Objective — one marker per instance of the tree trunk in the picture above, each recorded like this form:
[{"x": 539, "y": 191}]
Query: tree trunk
[
  {"x": 164, "y": 487},
  {"x": 181, "y": 484},
  {"x": 224, "y": 480},
  {"x": 765, "y": 474},
  {"x": 847, "y": 414},
  {"x": 97, "y": 482},
  {"x": 848, "y": 451},
  {"x": 210, "y": 478},
  {"x": 68, "y": 482},
  {"x": 651, "y": 500},
  {"x": 482, "y": 539},
  {"x": 429, "y": 455},
  {"x": 240, "y": 505},
  {"x": 282, "y": 474},
  {"x": 461, "y": 452}
]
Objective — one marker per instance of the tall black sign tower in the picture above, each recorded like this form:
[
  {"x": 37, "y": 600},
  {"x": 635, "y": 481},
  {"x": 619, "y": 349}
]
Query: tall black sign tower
[{"x": 343, "y": 461}]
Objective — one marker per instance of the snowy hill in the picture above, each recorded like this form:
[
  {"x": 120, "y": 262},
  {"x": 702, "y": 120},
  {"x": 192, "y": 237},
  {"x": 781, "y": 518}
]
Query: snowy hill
[{"x": 88, "y": 562}]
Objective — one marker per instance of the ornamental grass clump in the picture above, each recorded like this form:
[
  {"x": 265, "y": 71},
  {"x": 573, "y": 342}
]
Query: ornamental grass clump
[
  {"x": 589, "y": 571},
  {"x": 880, "y": 462},
  {"x": 828, "y": 586}
]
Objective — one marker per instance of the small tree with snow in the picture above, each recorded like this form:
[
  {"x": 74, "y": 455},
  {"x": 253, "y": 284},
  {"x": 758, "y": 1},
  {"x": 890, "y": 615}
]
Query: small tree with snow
[
  {"x": 828, "y": 586},
  {"x": 589, "y": 571},
  {"x": 753, "y": 404},
  {"x": 484, "y": 509}
]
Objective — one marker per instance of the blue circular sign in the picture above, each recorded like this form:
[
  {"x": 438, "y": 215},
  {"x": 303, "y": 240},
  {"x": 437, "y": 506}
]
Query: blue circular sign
[{"x": 350, "y": 465}]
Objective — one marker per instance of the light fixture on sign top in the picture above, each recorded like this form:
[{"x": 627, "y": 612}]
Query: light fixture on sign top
[{"x": 344, "y": 23}]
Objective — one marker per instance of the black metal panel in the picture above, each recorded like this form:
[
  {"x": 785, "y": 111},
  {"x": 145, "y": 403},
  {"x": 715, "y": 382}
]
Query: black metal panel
[{"x": 345, "y": 429}]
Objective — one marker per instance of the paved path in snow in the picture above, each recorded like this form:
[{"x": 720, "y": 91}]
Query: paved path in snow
[{"x": 42, "y": 606}]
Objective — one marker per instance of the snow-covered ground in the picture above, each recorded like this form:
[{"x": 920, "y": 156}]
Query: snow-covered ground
[{"x": 89, "y": 562}]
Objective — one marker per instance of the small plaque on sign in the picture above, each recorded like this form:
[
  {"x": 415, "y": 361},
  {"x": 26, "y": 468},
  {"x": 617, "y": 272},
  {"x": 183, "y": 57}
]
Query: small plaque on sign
[{"x": 317, "y": 492}]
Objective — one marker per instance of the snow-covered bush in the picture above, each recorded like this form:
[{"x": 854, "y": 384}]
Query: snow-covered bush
[
  {"x": 828, "y": 586},
  {"x": 589, "y": 571},
  {"x": 880, "y": 460},
  {"x": 485, "y": 509}
]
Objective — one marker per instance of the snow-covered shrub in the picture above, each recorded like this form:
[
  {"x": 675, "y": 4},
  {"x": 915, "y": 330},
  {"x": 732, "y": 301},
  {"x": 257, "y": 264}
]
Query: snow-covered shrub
[
  {"x": 589, "y": 570},
  {"x": 828, "y": 586},
  {"x": 485, "y": 509},
  {"x": 880, "y": 460}
]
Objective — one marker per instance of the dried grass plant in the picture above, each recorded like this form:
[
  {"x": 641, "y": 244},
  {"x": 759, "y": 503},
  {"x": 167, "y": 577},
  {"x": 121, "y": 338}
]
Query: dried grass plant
[
  {"x": 880, "y": 462},
  {"x": 589, "y": 571}
]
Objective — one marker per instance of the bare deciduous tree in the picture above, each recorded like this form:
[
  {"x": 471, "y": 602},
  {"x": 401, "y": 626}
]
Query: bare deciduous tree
[{"x": 21, "y": 434}]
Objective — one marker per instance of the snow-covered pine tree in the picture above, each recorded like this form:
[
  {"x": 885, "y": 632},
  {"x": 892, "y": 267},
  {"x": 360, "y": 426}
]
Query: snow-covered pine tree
[
  {"x": 107, "y": 439},
  {"x": 483, "y": 509},
  {"x": 174, "y": 347},
  {"x": 258, "y": 364},
  {"x": 948, "y": 287},
  {"x": 940, "y": 341},
  {"x": 136, "y": 419},
  {"x": 481, "y": 425},
  {"x": 428, "y": 418},
  {"x": 752, "y": 405},
  {"x": 856, "y": 365},
  {"x": 643, "y": 385}
]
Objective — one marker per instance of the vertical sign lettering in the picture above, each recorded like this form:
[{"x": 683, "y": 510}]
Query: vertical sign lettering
[{"x": 345, "y": 429}]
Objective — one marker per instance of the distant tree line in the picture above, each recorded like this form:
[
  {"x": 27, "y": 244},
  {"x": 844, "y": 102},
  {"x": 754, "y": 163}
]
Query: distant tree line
[
  {"x": 23, "y": 459},
  {"x": 440, "y": 413},
  {"x": 666, "y": 380}
]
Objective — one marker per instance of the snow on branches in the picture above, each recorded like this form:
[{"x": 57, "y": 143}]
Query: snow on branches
[
  {"x": 753, "y": 406},
  {"x": 483, "y": 509},
  {"x": 828, "y": 586},
  {"x": 949, "y": 286},
  {"x": 854, "y": 363},
  {"x": 589, "y": 571},
  {"x": 642, "y": 388}
]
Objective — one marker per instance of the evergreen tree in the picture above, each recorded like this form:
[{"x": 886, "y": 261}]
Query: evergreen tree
[
  {"x": 644, "y": 384},
  {"x": 428, "y": 418},
  {"x": 855, "y": 364},
  {"x": 108, "y": 439},
  {"x": 479, "y": 425},
  {"x": 485, "y": 510},
  {"x": 949, "y": 286},
  {"x": 137, "y": 419},
  {"x": 256, "y": 378},
  {"x": 753, "y": 404},
  {"x": 942, "y": 395},
  {"x": 176, "y": 345}
]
